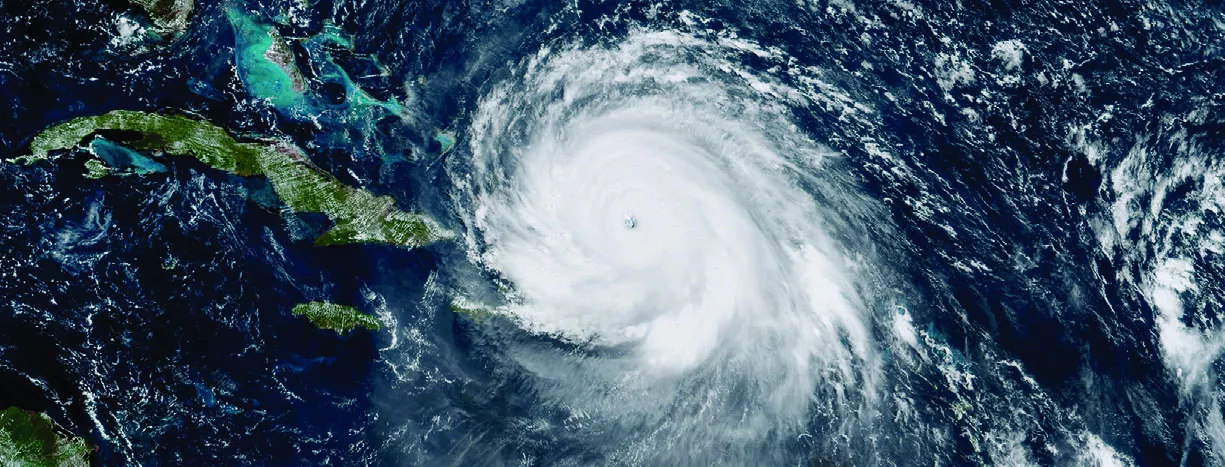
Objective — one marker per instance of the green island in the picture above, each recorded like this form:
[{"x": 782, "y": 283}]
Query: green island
[
  {"x": 170, "y": 17},
  {"x": 95, "y": 169},
  {"x": 476, "y": 311},
  {"x": 464, "y": 307},
  {"x": 339, "y": 318},
  {"x": 33, "y": 439},
  {"x": 358, "y": 215}
]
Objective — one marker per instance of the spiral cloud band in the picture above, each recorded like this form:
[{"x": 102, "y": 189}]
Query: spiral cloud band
[{"x": 653, "y": 199}]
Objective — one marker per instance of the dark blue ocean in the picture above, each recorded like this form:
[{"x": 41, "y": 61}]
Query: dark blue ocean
[{"x": 1032, "y": 191}]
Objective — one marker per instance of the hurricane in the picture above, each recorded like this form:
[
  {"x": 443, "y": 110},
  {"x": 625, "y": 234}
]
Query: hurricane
[
  {"x": 652, "y": 204},
  {"x": 639, "y": 233}
]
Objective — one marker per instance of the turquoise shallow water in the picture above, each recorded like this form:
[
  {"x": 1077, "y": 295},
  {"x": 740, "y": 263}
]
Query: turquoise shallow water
[
  {"x": 1014, "y": 207},
  {"x": 119, "y": 156}
]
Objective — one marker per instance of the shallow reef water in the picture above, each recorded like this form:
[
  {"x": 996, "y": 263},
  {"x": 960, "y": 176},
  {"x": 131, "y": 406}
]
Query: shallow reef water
[{"x": 815, "y": 232}]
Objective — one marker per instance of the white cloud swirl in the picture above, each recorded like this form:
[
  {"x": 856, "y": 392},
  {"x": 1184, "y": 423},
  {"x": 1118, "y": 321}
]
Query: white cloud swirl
[{"x": 655, "y": 198}]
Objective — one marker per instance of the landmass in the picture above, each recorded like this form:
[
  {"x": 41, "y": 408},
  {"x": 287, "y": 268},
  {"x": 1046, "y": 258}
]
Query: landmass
[
  {"x": 339, "y": 318},
  {"x": 473, "y": 310},
  {"x": 170, "y": 17},
  {"x": 267, "y": 66},
  {"x": 325, "y": 90},
  {"x": 95, "y": 169},
  {"x": 33, "y": 439},
  {"x": 358, "y": 215},
  {"x": 462, "y": 307},
  {"x": 265, "y": 62}
]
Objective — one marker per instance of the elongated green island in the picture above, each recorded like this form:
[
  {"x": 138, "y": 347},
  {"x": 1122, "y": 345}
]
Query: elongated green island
[
  {"x": 359, "y": 216},
  {"x": 32, "y": 439},
  {"x": 339, "y": 318},
  {"x": 475, "y": 311}
]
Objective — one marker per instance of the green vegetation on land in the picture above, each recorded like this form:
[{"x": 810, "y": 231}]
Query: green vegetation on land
[
  {"x": 95, "y": 169},
  {"x": 359, "y": 216},
  {"x": 339, "y": 318},
  {"x": 475, "y": 311},
  {"x": 32, "y": 439},
  {"x": 169, "y": 16}
]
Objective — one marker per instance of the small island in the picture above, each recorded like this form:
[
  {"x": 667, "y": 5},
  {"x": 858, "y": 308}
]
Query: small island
[
  {"x": 33, "y": 439},
  {"x": 478, "y": 312},
  {"x": 465, "y": 307},
  {"x": 339, "y": 318},
  {"x": 359, "y": 216}
]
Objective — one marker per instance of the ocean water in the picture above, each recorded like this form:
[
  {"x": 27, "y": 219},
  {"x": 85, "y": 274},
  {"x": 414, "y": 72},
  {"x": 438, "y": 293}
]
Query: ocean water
[{"x": 735, "y": 233}]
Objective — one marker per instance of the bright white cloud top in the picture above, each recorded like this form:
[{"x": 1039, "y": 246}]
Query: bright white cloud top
[{"x": 655, "y": 200}]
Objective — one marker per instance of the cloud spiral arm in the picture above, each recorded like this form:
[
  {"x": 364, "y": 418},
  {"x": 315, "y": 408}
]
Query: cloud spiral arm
[{"x": 655, "y": 200}]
